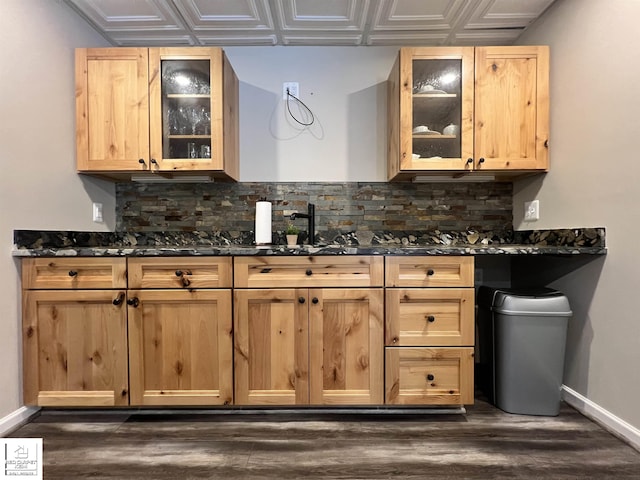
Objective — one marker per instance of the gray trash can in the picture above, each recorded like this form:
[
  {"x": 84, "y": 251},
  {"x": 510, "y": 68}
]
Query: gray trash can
[{"x": 521, "y": 337}]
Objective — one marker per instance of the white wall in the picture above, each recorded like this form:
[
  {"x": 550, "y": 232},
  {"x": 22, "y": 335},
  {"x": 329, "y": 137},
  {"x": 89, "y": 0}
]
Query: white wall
[
  {"x": 593, "y": 181},
  {"x": 346, "y": 90},
  {"x": 39, "y": 188}
]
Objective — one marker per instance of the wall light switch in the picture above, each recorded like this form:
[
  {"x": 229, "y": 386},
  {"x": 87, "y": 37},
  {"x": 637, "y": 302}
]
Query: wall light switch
[
  {"x": 532, "y": 211},
  {"x": 97, "y": 212}
]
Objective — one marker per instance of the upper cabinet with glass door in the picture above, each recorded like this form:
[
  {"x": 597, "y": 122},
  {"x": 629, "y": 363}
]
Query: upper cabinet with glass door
[
  {"x": 164, "y": 111},
  {"x": 465, "y": 109}
]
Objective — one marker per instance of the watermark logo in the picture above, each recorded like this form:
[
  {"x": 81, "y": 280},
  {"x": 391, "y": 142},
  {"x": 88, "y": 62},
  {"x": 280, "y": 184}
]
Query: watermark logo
[{"x": 21, "y": 458}]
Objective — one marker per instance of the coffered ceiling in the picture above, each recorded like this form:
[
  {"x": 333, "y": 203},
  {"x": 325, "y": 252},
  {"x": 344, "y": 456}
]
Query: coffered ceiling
[{"x": 309, "y": 22}]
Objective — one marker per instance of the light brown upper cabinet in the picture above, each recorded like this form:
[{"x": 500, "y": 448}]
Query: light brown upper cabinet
[
  {"x": 156, "y": 110},
  {"x": 468, "y": 110}
]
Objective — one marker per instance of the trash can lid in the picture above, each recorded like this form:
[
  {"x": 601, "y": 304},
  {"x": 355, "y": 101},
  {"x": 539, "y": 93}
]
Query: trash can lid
[{"x": 535, "y": 301}]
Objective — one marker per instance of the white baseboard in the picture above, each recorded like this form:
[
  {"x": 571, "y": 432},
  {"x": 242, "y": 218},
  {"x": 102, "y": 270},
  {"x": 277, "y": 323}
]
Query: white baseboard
[
  {"x": 606, "y": 419},
  {"x": 17, "y": 418}
]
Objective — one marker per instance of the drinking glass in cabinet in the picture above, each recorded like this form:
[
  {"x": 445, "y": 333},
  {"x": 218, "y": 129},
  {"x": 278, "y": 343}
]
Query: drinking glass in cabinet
[
  {"x": 186, "y": 108},
  {"x": 437, "y": 95}
]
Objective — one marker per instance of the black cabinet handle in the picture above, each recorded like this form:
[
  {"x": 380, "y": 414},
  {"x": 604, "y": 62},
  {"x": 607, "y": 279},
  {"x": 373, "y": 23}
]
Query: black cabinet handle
[
  {"x": 430, "y": 377},
  {"x": 178, "y": 273},
  {"x": 133, "y": 302},
  {"x": 431, "y": 318},
  {"x": 153, "y": 160},
  {"x": 481, "y": 160},
  {"x": 308, "y": 273},
  {"x": 119, "y": 300},
  {"x": 301, "y": 300},
  {"x": 430, "y": 272},
  {"x": 469, "y": 161},
  {"x": 73, "y": 273},
  {"x": 141, "y": 161},
  {"x": 315, "y": 300}
]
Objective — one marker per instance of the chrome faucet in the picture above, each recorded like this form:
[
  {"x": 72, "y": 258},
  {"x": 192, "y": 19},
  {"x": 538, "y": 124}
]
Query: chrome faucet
[{"x": 311, "y": 216}]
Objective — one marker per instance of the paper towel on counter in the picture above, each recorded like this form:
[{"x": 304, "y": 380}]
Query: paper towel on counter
[{"x": 263, "y": 222}]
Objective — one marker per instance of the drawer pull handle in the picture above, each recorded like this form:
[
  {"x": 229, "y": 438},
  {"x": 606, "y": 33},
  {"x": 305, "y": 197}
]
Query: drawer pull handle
[
  {"x": 431, "y": 318},
  {"x": 134, "y": 302},
  {"x": 308, "y": 273},
  {"x": 315, "y": 300},
  {"x": 119, "y": 300},
  {"x": 430, "y": 272},
  {"x": 301, "y": 300},
  {"x": 178, "y": 273},
  {"x": 73, "y": 273},
  {"x": 430, "y": 377}
]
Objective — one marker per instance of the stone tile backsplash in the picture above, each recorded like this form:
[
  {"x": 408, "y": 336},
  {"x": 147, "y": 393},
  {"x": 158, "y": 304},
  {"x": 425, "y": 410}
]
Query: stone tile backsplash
[{"x": 340, "y": 207}]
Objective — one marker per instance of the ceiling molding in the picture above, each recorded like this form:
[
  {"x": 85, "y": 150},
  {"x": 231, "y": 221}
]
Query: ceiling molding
[{"x": 309, "y": 22}]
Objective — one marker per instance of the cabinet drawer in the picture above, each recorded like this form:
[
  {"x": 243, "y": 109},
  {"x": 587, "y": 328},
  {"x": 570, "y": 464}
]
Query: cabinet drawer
[
  {"x": 180, "y": 272},
  {"x": 421, "y": 376},
  {"x": 310, "y": 271},
  {"x": 73, "y": 273},
  {"x": 429, "y": 271},
  {"x": 429, "y": 316}
]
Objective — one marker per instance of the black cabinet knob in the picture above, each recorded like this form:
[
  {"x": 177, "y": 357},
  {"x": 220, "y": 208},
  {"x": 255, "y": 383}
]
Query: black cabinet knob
[
  {"x": 430, "y": 272},
  {"x": 315, "y": 300},
  {"x": 430, "y": 377},
  {"x": 119, "y": 300},
  {"x": 481, "y": 160},
  {"x": 141, "y": 161},
  {"x": 301, "y": 300},
  {"x": 73, "y": 273},
  {"x": 134, "y": 302},
  {"x": 469, "y": 161},
  {"x": 431, "y": 318},
  {"x": 178, "y": 273},
  {"x": 308, "y": 273}
]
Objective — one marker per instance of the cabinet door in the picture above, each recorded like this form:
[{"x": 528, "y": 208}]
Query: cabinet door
[
  {"x": 432, "y": 92},
  {"x": 75, "y": 348},
  {"x": 346, "y": 346},
  {"x": 112, "y": 109},
  {"x": 188, "y": 93},
  {"x": 180, "y": 347},
  {"x": 429, "y": 376},
  {"x": 271, "y": 347},
  {"x": 512, "y": 108}
]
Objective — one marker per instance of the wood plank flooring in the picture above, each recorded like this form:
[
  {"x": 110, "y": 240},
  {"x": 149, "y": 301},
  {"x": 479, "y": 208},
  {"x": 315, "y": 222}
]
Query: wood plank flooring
[{"x": 484, "y": 443}]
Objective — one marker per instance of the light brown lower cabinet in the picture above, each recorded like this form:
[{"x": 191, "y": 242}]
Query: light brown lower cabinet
[
  {"x": 74, "y": 340},
  {"x": 314, "y": 330},
  {"x": 180, "y": 331},
  {"x": 315, "y": 346},
  {"x": 429, "y": 330},
  {"x": 180, "y": 347}
]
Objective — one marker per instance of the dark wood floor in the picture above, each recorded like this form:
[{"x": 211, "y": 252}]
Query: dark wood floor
[{"x": 484, "y": 443}]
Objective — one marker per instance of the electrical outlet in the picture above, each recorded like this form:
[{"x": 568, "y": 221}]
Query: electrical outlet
[
  {"x": 289, "y": 88},
  {"x": 532, "y": 211},
  {"x": 97, "y": 212}
]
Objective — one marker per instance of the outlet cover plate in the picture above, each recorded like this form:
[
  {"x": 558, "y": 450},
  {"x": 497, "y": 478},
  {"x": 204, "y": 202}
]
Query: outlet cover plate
[
  {"x": 292, "y": 87},
  {"x": 532, "y": 211}
]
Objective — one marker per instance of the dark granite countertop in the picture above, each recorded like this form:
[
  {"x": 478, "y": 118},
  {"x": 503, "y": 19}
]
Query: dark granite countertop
[{"x": 577, "y": 241}]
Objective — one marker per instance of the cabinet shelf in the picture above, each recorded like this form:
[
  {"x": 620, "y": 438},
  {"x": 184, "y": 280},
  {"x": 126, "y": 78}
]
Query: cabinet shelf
[
  {"x": 189, "y": 137},
  {"x": 418, "y": 136},
  {"x": 188, "y": 95}
]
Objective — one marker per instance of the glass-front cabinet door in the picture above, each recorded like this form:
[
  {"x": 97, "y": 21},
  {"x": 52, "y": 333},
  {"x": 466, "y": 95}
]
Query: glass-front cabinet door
[
  {"x": 437, "y": 121},
  {"x": 186, "y": 109}
]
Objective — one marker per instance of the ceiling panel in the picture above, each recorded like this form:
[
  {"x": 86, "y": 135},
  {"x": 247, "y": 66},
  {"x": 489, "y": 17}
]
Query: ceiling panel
[{"x": 310, "y": 22}]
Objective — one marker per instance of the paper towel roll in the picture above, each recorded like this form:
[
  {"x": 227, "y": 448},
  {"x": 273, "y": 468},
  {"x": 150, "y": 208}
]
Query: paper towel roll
[{"x": 263, "y": 222}]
